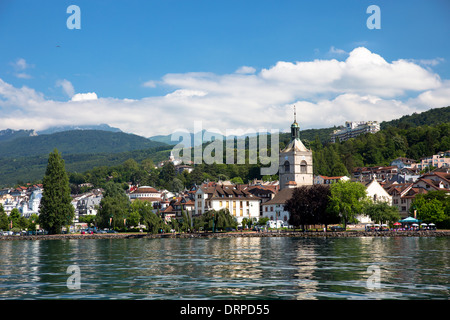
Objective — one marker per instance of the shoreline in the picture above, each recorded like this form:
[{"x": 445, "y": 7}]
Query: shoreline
[{"x": 299, "y": 234}]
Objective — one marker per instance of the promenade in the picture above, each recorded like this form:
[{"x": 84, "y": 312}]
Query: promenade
[{"x": 308, "y": 234}]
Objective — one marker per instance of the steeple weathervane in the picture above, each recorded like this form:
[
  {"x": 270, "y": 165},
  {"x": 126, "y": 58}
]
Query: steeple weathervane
[{"x": 295, "y": 115}]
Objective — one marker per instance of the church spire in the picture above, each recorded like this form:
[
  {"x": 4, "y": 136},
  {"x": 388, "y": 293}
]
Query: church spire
[
  {"x": 295, "y": 115},
  {"x": 295, "y": 129}
]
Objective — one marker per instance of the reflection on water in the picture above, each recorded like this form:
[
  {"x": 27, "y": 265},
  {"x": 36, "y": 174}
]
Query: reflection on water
[{"x": 228, "y": 268}]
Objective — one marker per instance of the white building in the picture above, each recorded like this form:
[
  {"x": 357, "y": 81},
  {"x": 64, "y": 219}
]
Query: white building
[
  {"x": 145, "y": 193},
  {"x": 353, "y": 129},
  {"x": 376, "y": 193},
  {"x": 239, "y": 202},
  {"x": 274, "y": 208}
]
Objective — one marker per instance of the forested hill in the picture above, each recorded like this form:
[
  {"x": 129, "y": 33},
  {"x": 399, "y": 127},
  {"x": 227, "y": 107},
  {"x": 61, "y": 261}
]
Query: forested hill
[
  {"x": 414, "y": 137},
  {"x": 75, "y": 142},
  {"x": 429, "y": 118}
]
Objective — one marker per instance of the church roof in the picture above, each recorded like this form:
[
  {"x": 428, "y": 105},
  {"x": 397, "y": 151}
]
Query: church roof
[{"x": 295, "y": 145}]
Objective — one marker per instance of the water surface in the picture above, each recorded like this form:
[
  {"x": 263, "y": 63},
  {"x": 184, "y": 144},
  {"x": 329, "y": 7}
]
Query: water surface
[{"x": 227, "y": 268}]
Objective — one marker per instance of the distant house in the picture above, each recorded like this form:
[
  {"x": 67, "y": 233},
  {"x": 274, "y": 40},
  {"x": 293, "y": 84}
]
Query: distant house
[
  {"x": 274, "y": 209},
  {"x": 145, "y": 193},
  {"x": 177, "y": 206},
  {"x": 404, "y": 163},
  {"x": 440, "y": 160},
  {"x": 183, "y": 167},
  {"x": 329, "y": 180},
  {"x": 381, "y": 173}
]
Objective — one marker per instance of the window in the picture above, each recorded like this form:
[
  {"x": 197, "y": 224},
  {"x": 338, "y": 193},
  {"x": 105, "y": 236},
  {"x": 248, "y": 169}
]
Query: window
[
  {"x": 287, "y": 166},
  {"x": 303, "y": 166}
]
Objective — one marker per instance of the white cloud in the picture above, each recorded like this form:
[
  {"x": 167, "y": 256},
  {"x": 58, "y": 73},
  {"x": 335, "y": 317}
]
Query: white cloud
[
  {"x": 246, "y": 70},
  {"x": 23, "y": 75},
  {"x": 363, "y": 86},
  {"x": 337, "y": 51},
  {"x": 67, "y": 87},
  {"x": 84, "y": 96},
  {"x": 428, "y": 62},
  {"x": 20, "y": 65},
  {"x": 149, "y": 84}
]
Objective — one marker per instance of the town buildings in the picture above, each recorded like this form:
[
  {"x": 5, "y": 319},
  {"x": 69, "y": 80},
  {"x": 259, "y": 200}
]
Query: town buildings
[
  {"x": 353, "y": 129},
  {"x": 440, "y": 160},
  {"x": 329, "y": 180},
  {"x": 24, "y": 198}
]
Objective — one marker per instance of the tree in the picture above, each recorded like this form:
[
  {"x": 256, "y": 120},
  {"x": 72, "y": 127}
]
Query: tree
[
  {"x": 217, "y": 220},
  {"x": 381, "y": 212},
  {"x": 4, "y": 221},
  {"x": 18, "y": 221},
  {"x": 56, "y": 207},
  {"x": 347, "y": 200},
  {"x": 153, "y": 221},
  {"x": 263, "y": 221},
  {"x": 433, "y": 206},
  {"x": 114, "y": 207},
  {"x": 33, "y": 221},
  {"x": 308, "y": 205},
  {"x": 88, "y": 218},
  {"x": 237, "y": 180},
  {"x": 167, "y": 172}
]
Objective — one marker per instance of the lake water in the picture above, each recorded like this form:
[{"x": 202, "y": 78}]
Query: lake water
[{"x": 227, "y": 268}]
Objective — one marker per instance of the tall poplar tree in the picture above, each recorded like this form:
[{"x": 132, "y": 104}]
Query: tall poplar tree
[{"x": 56, "y": 209}]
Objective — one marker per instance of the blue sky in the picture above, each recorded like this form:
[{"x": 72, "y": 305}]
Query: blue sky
[{"x": 155, "y": 66}]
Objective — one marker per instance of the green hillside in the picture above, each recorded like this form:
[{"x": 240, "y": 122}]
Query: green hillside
[
  {"x": 31, "y": 169},
  {"x": 75, "y": 142}
]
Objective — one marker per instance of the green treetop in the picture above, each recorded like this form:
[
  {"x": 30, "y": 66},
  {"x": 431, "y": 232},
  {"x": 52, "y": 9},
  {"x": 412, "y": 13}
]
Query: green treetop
[{"x": 56, "y": 208}]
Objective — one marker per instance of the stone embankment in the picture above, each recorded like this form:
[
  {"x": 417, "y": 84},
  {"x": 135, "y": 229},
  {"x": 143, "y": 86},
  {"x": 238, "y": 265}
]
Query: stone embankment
[{"x": 345, "y": 234}]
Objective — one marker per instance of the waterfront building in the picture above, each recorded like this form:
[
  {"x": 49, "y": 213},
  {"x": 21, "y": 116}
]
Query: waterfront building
[
  {"x": 239, "y": 202},
  {"x": 274, "y": 208},
  {"x": 176, "y": 207},
  {"x": 353, "y": 129}
]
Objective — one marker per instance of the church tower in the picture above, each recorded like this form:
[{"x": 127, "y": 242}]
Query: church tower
[{"x": 296, "y": 161}]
